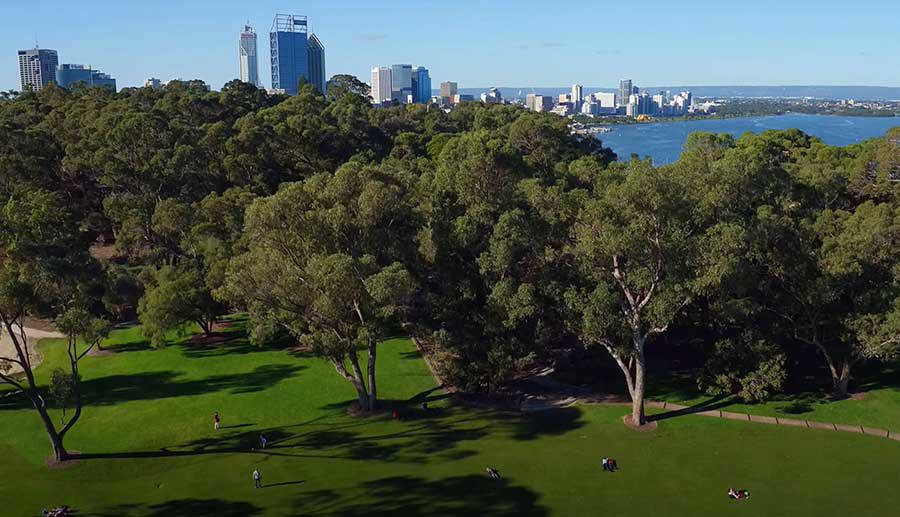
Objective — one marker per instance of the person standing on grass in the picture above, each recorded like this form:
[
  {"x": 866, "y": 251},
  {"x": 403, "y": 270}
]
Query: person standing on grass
[
  {"x": 216, "y": 420},
  {"x": 257, "y": 478}
]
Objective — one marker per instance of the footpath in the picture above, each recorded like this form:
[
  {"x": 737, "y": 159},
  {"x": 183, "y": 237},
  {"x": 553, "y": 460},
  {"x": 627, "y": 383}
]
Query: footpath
[
  {"x": 34, "y": 335},
  {"x": 547, "y": 394}
]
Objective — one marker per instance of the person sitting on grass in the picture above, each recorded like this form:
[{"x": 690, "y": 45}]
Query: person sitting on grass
[
  {"x": 605, "y": 463},
  {"x": 738, "y": 494},
  {"x": 493, "y": 473},
  {"x": 611, "y": 465}
]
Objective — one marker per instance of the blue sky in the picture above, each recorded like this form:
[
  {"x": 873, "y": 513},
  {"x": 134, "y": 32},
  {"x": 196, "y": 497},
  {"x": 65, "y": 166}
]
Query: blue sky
[{"x": 480, "y": 44}]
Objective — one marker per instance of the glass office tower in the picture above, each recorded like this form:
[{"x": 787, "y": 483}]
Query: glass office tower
[
  {"x": 316, "y": 59},
  {"x": 247, "y": 55},
  {"x": 421, "y": 85},
  {"x": 290, "y": 59}
]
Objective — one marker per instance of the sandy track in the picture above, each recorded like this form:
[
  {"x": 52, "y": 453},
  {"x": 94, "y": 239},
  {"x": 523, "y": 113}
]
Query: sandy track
[{"x": 34, "y": 335}]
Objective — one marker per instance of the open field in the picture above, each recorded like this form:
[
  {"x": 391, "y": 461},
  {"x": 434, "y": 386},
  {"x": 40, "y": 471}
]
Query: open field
[{"x": 150, "y": 448}]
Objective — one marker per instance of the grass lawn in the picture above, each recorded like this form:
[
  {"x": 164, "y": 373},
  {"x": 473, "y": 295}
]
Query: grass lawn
[
  {"x": 151, "y": 450},
  {"x": 878, "y": 403}
]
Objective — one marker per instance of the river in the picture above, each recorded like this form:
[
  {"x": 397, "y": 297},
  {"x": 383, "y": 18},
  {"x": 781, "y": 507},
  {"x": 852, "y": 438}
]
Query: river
[{"x": 664, "y": 141}]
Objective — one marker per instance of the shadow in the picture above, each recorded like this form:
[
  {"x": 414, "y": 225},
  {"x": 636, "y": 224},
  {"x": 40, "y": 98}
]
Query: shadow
[
  {"x": 413, "y": 496},
  {"x": 236, "y": 426},
  {"x": 165, "y": 384},
  {"x": 284, "y": 483},
  {"x": 712, "y": 404},
  {"x": 185, "y": 508}
]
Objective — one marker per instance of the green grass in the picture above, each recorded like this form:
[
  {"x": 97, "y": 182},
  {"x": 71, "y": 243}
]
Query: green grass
[
  {"x": 879, "y": 405},
  {"x": 148, "y": 432}
]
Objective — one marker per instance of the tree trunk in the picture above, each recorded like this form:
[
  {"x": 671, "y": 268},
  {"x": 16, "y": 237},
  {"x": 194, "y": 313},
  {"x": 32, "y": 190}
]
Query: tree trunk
[
  {"x": 637, "y": 393},
  {"x": 370, "y": 368},
  {"x": 841, "y": 381}
]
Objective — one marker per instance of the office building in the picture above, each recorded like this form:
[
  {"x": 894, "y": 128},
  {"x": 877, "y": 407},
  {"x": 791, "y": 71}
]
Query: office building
[
  {"x": 37, "y": 67},
  {"x": 577, "y": 95},
  {"x": 154, "y": 83},
  {"x": 421, "y": 85},
  {"x": 625, "y": 91},
  {"x": 401, "y": 83},
  {"x": 289, "y": 53},
  {"x": 316, "y": 58},
  {"x": 538, "y": 103},
  {"x": 492, "y": 96},
  {"x": 449, "y": 90},
  {"x": 381, "y": 86},
  {"x": 606, "y": 100},
  {"x": 247, "y": 56},
  {"x": 68, "y": 75}
]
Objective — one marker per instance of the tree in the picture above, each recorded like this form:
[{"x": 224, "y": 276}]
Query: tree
[
  {"x": 43, "y": 263},
  {"x": 323, "y": 258},
  {"x": 175, "y": 296},
  {"x": 637, "y": 250},
  {"x": 62, "y": 388},
  {"x": 344, "y": 84}
]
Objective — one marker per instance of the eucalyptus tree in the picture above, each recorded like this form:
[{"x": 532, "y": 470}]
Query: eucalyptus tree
[{"x": 323, "y": 259}]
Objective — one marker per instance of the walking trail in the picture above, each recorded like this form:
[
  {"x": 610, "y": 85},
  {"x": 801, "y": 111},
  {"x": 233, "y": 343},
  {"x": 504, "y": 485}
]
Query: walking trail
[
  {"x": 34, "y": 335},
  {"x": 547, "y": 393}
]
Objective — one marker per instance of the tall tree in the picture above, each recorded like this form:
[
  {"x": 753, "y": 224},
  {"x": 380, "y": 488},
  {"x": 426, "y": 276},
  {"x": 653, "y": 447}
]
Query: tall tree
[{"x": 323, "y": 258}]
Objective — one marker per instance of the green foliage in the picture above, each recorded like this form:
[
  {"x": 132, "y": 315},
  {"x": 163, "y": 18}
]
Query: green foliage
[
  {"x": 174, "y": 297},
  {"x": 61, "y": 388},
  {"x": 754, "y": 370}
]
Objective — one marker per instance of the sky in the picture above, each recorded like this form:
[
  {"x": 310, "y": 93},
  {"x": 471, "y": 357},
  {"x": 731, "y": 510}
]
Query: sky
[{"x": 480, "y": 43}]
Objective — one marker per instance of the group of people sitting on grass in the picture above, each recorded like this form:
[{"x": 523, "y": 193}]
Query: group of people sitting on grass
[
  {"x": 609, "y": 464},
  {"x": 738, "y": 494}
]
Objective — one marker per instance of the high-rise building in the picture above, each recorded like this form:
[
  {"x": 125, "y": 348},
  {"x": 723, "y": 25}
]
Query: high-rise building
[
  {"x": 316, "y": 58},
  {"x": 37, "y": 67},
  {"x": 577, "y": 95},
  {"x": 68, "y": 75},
  {"x": 606, "y": 100},
  {"x": 401, "y": 83},
  {"x": 381, "y": 85},
  {"x": 448, "y": 91},
  {"x": 154, "y": 83},
  {"x": 247, "y": 56},
  {"x": 538, "y": 102},
  {"x": 421, "y": 82},
  {"x": 290, "y": 58},
  {"x": 625, "y": 91}
]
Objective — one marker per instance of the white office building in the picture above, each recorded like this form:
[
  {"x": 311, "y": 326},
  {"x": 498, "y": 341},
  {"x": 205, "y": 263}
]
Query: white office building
[
  {"x": 37, "y": 67},
  {"x": 247, "y": 56},
  {"x": 381, "y": 85}
]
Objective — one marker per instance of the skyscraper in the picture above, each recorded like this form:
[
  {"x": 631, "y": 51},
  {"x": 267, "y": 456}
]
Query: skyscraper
[
  {"x": 577, "y": 95},
  {"x": 381, "y": 85},
  {"x": 37, "y": 67},
  {"x": 68, "y": 75},
  {"x": 625, "y": 91},
  {"x": 290, "y": 58},
  {"x": 248, "y": 56},
  {"x": 421, "y": 85},
  {"x": 401, "y": 82},
  {"x": 315, "y": 51},
  {"x": 449, "y": 90}
]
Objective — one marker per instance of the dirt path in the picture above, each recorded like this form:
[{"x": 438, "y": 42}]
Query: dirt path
[{"x": 34, "y": 335}]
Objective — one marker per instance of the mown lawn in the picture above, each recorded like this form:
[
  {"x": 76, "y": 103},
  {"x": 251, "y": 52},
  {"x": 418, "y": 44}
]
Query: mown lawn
[
  {"x": 150, "y": 448},
  {"x": 877, "y": 402}
]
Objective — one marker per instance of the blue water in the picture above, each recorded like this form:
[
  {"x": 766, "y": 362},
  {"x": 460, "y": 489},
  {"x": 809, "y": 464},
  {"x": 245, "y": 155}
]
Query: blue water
[{"x": 663, "y": 141}]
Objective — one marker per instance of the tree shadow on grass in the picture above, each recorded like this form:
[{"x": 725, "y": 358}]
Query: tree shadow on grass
[
  {"x": 711, "y": 404},
  {"x": 185, "y": 508},
  {"x": 414, "y": 496},
  {"x": 114, "y": 389}
]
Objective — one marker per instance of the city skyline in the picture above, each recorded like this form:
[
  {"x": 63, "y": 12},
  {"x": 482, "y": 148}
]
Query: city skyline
[{"x": 482, "y": 47}]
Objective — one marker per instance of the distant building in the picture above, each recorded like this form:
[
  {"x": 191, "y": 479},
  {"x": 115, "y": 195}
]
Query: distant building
[
  {"x": 315, "y": 52},
  {"x": 625, "y": 91},
  {"x": 290, "y": 53},
  {"x": 606, "y": 100},
  {"x": 37, "y": 67},
  {"x": 68, "y": 75},
  {"x": 449, "y": 90},
  {"x": 247, "y": 56},
  {"x": 539, "y": 103},
  {"x": 577, "y": 95},
  {"x": 381, "y": 86},
  {"x": 154, "y": 83},
  {"x": 401, "y": 83},
  {"x": 421, "y": 85},
  {"x": 492, "y": 96}
]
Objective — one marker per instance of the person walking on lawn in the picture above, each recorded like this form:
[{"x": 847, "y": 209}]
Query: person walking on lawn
[{"x": 257, "y": 478}]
